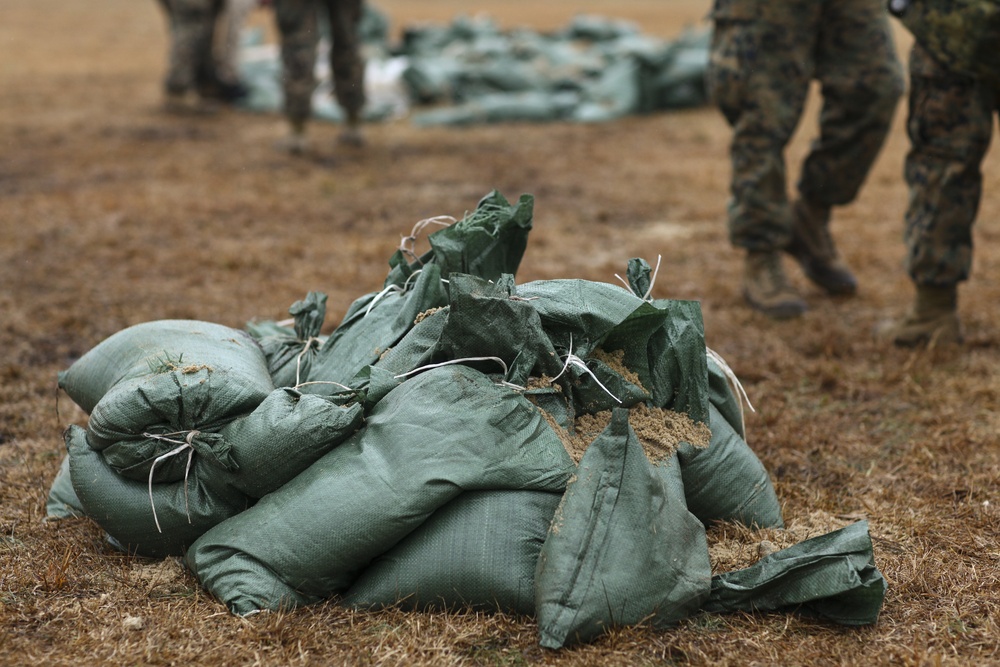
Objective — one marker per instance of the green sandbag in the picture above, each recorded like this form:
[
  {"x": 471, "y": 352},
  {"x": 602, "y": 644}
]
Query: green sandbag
[
  {"x": 286, "y": 434},
  {"x": 269, "y": 447},
  {"x": 373, "y": 324},
  {"x": 487, "y": 242},
  {"x": 663, "y": 343},
  {"x": 164, "y": 525},
  {"x": 721, "y": 395},
  {"x": 62, "y": 501},
  {"x": 150, "y": 384},
  {"x": 137, "y": 350},
  {"x": 832, "y": 576},
  {"x": 478, "y": 551},
  {"x": 623, "y": 548},
  {"x": 445, "y": 431},
  {"x": 290, "y": 352},
  {"x": 726, "y": 481}
]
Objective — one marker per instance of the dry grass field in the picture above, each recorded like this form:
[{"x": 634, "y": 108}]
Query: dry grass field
[{"x": 113, "y": 213}]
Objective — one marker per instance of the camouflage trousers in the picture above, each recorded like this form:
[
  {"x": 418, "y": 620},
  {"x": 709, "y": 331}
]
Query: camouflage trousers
[
  {"x": 299, "y": 25},
  {"x": 950, "y": 125},
  {"x": 192, "y": 26},
  {"x": 765, "y": 54}
]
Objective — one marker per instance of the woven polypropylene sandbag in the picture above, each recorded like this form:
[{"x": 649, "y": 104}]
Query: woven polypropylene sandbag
[{"x": 478, "y": 551}]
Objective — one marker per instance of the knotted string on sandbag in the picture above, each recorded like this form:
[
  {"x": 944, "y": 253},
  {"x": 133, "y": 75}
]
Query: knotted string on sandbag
[
  {"x": 737, "y": 386},
  {"x": 181, "y": 446},
  {"x": 391, "y": 288},
  {"x": 406, "y": 244},
  {"x": 652, "y": 281},
  {"x": 500, "y": 361},
  {"x": 573, "y": 360},
  {"x": 313, "y": 340}
]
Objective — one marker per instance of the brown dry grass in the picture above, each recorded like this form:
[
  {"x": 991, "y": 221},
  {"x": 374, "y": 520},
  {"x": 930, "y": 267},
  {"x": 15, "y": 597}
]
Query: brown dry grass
[{"x": 113, "y": 214}]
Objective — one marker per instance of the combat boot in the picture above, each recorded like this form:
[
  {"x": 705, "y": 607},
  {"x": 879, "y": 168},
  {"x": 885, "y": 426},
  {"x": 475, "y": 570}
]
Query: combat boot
[
  {"x": 932, "y": 319},
  {"x": 766, "y": 288},
  {"x": 295, "y": 142},
  {"x": 351, "y": 134},
  {"x": 813, "y": 248},
  {"x": 187, "y": 103}
]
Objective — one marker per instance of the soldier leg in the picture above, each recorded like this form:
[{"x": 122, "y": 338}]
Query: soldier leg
[
  {"x": 346, "y": 62},
  {"x": 191, "y": 27},
  {"x": 297, "y": 23},
  {"x": 862, "y": 81},
  {"x": 950, "y": 125},
  {"x": 761, "y": 91},
  {"x": 759, "y": 73}
]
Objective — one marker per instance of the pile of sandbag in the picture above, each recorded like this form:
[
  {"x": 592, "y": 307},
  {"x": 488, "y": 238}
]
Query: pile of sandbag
[
  {"x": 552, "y": 449},
  {"x": 469, "y": 71}
]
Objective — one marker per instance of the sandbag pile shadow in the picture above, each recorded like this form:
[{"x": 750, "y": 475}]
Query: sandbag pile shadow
[{"x": 552, "y": 449}]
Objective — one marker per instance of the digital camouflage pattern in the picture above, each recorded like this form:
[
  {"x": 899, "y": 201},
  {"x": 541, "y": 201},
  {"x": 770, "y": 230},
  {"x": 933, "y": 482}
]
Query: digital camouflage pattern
[
  {"x": 963, "y": 35},
  {"x": 300, "y": 28},
  {"x": 764, "y": 55},
  {"x": 192, "y": 26},
  {"x": 950, "y": 124}
]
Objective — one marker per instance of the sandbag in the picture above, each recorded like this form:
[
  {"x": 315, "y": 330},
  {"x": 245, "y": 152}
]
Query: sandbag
[
  {"x": 478, "y": 551},
  {"x": 290, "y": 352},
  {"x": 832, "y": 576},
  {"x": 375, "y": 323},
  {"x": 150, "y": 347},
  {"x": 286, "y": 434},
  {"x": 726, "y": 481},
  {"x": 267, "y": 448},
  {"x": 149, "y": 520},
  {"x": 445, "y": 431},
  {"x": 150, "y": 385},
  {"x": 622, "y": 549},
  {"x": 62, "y": 501}
]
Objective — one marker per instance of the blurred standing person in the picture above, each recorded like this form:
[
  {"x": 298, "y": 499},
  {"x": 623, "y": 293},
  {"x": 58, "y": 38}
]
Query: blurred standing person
[
  {"x": 195, "y": 80},
  {"x": 954, "y": 96},
  {"x": 228, "y": 39},
  {"x": 299, "y": 26},
  {"x": 764, "y": 55},
  {"x": 190, "y": 69}
]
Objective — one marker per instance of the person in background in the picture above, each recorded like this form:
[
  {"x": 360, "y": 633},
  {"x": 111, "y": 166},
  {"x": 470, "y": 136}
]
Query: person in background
[
  {"x": 764, "y": 55},
  {"x": 299, "y": 27},
  {"x": 954, "y": 96},
  {"x": 195, "y": 82},
  {"x": 228, "y": 40}
]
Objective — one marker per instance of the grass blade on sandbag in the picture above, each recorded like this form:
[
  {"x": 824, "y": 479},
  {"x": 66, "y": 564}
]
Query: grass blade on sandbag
[
  {"x": 445, "y": 431},
  {"x": 134, "y": 351},
  {"x": 622, "y": 549},
  {"x": 153, "y": 520},
  {"x": 832, "y": 576},
  {"x": 478, "y": 551},
  {"x": 150, "y": 384},
  {"x": 726, "y": 481}
]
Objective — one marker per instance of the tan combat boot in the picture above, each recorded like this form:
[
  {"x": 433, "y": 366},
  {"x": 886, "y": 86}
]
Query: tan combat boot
[
  {"x": 933, "y": 319},
  {"x": 813, "y": 248},
  {"x": 766, "y": 288}
]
